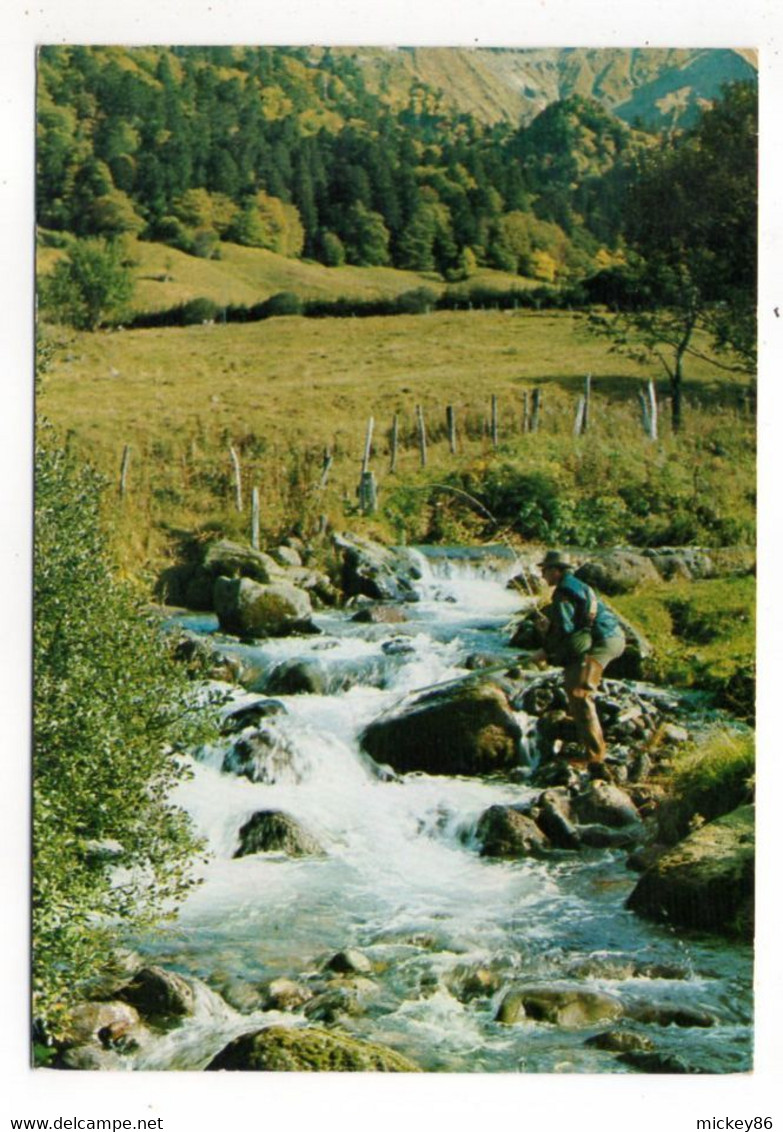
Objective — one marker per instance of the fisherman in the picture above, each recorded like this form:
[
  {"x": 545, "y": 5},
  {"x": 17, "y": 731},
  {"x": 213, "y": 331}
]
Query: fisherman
[{"x": 582, "y": 635}]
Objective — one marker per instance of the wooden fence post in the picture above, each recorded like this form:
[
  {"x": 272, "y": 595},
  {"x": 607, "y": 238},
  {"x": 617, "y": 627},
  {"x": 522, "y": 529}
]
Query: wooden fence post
[
  {"x": 325, "y": 467},
  {"x": 525, "y": 412},
  {"x": 237, "y": 476},
  {"x": 422, "y": 435},
  {"x": 368, "y": 445},
  {"x": 536, "y": 414},
  {"x": 653, "y": 410},
  {"x": 494, "y": 412},
  {"x": 124, "y": 469},
  {"x": 368, "y": 493},
  {"x": 451, "y": 425},
  {"x": 579, "y": 420},
  {"x": 395, "y": 440},
  {"x": 255, "y": 521}
]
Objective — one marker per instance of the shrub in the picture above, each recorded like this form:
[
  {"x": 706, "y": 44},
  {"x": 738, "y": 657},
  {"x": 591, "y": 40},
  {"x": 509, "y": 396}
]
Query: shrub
[
  {"x": 112, "y": 715},
  {"x": 283, "y": 303},
  {"x": 90, "y": 286}
]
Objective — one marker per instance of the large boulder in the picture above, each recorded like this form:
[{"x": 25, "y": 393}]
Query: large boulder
[
  {"x": 504, "y": 831},
  {"x": 604, "y": 804},
  {"x": 234, "y": 560},
  {"x": 617, "y": 571},
  {"x": 251, "y": 609},
  {"x": 705, "y": 882},
  {"x": 272, "y": 831},
  {"x": 374, "y": 570},
  {"x": 568, "y": 1006},
  {"x": 466, "y": 729},
  {"x": 158, "y": 994},
  {"x": 280, "y": 1049}
]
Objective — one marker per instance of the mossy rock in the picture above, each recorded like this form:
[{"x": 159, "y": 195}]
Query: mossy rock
[
  {"x": 706, "y": 882},
  {"x": 279, "y": 1049},
  {"x": 467, "y": 730}
]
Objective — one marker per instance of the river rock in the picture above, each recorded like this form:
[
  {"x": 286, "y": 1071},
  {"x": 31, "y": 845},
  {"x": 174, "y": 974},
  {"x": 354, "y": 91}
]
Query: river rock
[
  {"x": 350, "y": 962},
  {"x": 159, "y": 994},
  {"x": 235, "y": 560},
  {"x": 603, "y": 837},
  {"x": 284, "y": 994},
  {"x": 504, "y": 831},
  {"x": 663, "y": 1014},
  {"x": 374, "y": 570},
  {"x": 469, "y": 982},
  {"x": 250, "y": 609},
  {"x": 617, "y": 571},
  {"x": 297, "y": 677},
  {"x": 602, "y": 803},
  {"x": 553, "y": 816},
  {"x": 250, "y": 714},
  {"x": 106, "y": 1022},
  {"x": 651, "y": 1061},
  {"x": 706, "y": 881},
  {"x": 468, "y": 729},
  {"x": 281, "y": 1049},
  {"x": 286, "y": 556},
  {"x": 272, "y": 831},
  {"x": 334, "y": 1004},
  {"x": 89, "y": 1056},
  {"x": 380, "y": 615},
  {"x": 570, "y": 1007},
  {"x": 264, "y": 756},
  {"x": 620, "y": 1041}
]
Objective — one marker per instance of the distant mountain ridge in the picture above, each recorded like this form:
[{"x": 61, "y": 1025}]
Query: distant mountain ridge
[{"x": 658, "y": 87}]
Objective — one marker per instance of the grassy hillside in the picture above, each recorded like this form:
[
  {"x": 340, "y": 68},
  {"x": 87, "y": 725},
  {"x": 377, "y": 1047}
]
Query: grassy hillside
[
  {"x": 284, "y": 390},
  {"x": 165, "y": 277}
]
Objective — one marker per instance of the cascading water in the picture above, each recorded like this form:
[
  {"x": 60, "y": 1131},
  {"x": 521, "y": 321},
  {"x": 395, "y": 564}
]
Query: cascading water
[{"x": 400, "y": 876}]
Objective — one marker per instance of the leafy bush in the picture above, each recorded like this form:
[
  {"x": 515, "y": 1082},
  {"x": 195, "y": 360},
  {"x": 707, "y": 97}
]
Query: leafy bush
[
  {"x": 283, "y": 303},
  {"x": 90, "y": 286},
  {"x": 112, "y": 715}
]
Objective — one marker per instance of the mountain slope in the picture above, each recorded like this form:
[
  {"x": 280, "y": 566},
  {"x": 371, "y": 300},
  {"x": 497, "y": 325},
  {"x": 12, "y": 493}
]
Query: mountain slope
[{"x": 658, "y": 86}]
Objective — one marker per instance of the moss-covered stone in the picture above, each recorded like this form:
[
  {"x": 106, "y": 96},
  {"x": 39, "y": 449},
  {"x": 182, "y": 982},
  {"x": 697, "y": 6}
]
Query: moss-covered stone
[
  {"x": 706, "y": 881},
  {"x": 311, "y": 1050}
]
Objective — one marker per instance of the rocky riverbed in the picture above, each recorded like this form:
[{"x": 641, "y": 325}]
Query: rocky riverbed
[{"x": 407, "y": 872}]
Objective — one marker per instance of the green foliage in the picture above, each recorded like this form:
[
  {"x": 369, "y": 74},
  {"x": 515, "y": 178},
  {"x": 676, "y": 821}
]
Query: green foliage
[
  {"x": 91, "y": 286},
  {"x": 113, "y": 714},
  {"x": 703, "y": 636},
  {"x": 710, "y": 778}
]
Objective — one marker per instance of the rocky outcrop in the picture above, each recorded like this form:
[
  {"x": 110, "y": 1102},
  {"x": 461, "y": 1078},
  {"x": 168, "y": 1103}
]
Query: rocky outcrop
[
  {"x": 466, "y": 729},
  {"x": 271, "y": 831},
  {"x": 617, "y": 571},
  {"x": 705, "y": 882},
  {"x": 567, "y": 1007},
  {"x": 250, "y": 609},
  {"x": 308, "y": 1050}
]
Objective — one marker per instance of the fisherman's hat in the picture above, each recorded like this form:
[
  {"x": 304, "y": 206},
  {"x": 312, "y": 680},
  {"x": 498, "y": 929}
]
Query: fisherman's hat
[{"x": 555, "y": 559}]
